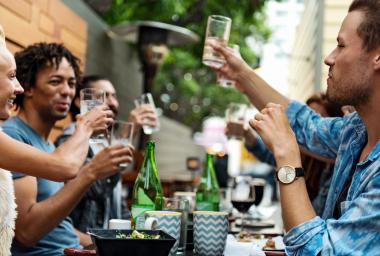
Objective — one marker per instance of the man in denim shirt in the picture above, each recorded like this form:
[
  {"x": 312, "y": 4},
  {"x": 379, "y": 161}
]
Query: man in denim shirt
[{"x": 350, "y": 223}]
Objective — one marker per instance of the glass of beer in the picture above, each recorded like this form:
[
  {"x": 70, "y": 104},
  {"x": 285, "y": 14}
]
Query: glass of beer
[
  {"x": 218, "y": 30},
  {"x": 236, "y": 118}
]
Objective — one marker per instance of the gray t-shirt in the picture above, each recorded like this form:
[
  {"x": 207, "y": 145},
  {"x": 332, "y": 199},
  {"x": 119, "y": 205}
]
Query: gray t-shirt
[{"x": 61, "y": 237}]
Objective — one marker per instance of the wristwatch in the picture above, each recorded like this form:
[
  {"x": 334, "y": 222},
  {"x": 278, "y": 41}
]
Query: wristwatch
[{"x": 287, "y": 174}]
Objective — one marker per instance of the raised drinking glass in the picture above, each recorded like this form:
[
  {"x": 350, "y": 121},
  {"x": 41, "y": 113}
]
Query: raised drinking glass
[
  {"x": 146, "y": 99},
  {"x": 122, "y": 133},
  {"x": 218, "y": 30},
  {"x": 90, "y": 98}
]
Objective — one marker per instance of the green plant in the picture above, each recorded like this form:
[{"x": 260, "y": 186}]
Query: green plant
[{"x": 185, "y": 89}]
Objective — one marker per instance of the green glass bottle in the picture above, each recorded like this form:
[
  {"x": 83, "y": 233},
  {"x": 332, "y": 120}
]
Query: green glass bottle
[
  {"x": 207, "y": 196},
  {"x": 147, "y": 191}
]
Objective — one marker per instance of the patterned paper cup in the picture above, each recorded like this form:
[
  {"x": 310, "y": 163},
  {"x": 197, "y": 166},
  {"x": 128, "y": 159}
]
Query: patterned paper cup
[
  {"x": 167, "y": 221},
  {"x": 210, "y": 232}
]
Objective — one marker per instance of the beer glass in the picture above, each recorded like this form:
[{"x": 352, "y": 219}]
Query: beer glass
[
  {"x": 218, "y": 29},
  {"x": 235, "y": 118}
]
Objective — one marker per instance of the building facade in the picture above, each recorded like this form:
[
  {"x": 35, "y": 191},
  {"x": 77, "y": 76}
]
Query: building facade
[{"x": 315, "y": 39}]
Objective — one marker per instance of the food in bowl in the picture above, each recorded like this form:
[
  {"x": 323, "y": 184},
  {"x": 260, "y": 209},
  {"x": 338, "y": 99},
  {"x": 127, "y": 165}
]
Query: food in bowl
[{"x": 136, "y": 234}]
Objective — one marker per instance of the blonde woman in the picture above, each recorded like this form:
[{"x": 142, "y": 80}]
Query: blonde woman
[{"x": 61, "y": 165}]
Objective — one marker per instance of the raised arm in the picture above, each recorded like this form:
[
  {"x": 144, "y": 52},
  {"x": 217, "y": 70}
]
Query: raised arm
[
  {"x": 274, "y": 129},
  {"x": 257, "y": 90},
  {"x": 62, "y": 164}
]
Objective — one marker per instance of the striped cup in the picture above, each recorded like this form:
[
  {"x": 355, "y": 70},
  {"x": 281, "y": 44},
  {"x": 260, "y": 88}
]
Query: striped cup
[{"x": 210, "y": 232}]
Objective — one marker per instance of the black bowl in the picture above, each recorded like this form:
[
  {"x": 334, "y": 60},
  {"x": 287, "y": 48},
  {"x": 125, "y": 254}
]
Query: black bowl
[{"x": 108, "y": 245}]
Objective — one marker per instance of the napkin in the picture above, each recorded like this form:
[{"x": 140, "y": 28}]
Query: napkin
[{"x": 235, "y": 248}]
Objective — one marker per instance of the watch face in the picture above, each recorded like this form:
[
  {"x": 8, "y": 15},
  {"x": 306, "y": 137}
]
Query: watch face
[{"x": 286, "y": 174}]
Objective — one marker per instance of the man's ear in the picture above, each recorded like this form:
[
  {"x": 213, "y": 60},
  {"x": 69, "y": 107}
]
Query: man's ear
[
  {"x": 28, "y": 92},
  {"x": 376, "y": 60},
  {"x": 77, "y": 102}
]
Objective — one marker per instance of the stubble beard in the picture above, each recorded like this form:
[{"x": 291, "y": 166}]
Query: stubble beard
[{"x": 354, "y": 92}]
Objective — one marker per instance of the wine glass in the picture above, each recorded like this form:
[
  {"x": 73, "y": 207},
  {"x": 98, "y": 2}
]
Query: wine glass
[
  {"x": 258, "y": 185},
  {"x": 243, "y": 196}
]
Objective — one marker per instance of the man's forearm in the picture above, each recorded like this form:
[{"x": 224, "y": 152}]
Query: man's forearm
[
  {"x": 295, "y": 202},
  {"x": 75, "y": 148},
  {"x": 46, "y": 215},
  {"x": 258, "y": 91}
]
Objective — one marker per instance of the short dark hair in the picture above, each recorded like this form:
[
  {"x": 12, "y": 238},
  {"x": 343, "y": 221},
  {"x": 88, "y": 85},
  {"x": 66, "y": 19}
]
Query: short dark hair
[
  {"x": 85, "y": 82},
  {"x": 333, "y": 109},
  {"x": 369, "y": 29},
  {"x": 38, "y": 56}
]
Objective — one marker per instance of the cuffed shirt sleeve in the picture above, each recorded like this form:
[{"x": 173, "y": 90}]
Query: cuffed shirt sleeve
[{"x": 356, "y": 232}]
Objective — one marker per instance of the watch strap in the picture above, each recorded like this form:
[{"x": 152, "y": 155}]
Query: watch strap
[{"x": 300, "y": 172}]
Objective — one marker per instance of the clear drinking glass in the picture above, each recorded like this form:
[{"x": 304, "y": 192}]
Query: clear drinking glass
[
  {"x": 222, "y": 80},
  {"x": 235, "y": 118},
  {"x": 225, "y": 204},
  {"x": 147, "y": 99},
  {"x": 179, "y": 205},
  {"x": 90, "y": 98},
  {"x": 122, "y": 133},
  {"x": 218, "y": 29}
]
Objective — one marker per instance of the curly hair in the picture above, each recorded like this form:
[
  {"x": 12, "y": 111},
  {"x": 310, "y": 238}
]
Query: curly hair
[{"x": 38, "y": 56}]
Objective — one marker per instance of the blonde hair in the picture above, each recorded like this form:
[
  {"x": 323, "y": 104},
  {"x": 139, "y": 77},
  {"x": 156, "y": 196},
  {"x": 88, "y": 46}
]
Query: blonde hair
[{"x": 2, "y": 38}]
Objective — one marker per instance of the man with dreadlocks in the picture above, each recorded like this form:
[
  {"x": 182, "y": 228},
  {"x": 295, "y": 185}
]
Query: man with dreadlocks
[{"x": 49, "y": 73}]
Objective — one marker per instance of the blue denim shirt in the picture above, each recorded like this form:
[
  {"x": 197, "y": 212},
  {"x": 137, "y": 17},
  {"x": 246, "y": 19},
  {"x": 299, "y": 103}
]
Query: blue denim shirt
[
  {"x": 261, "y": 151},
  {"x": 357, "y": 231}
]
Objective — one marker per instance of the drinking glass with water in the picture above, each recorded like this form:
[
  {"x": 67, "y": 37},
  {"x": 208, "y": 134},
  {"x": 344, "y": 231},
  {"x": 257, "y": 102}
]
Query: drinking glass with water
[
  {"x": 218, "y": 30},
  {"x": 89, "y": 99},
  {"x": 122, "y": 133},
  {"x": 146, "y": 99}
]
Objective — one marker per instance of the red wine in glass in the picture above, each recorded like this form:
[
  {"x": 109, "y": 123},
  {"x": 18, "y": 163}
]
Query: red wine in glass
[{"x": 243, "y": 205}]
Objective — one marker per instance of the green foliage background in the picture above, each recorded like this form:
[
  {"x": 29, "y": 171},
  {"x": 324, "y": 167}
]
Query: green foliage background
[{"x": 183, "y": 79}]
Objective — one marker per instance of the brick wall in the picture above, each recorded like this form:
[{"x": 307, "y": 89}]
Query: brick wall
[{"x": 30, "y": 21}]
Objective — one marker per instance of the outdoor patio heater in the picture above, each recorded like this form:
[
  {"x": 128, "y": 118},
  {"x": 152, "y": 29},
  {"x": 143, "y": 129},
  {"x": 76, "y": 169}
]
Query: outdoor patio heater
[{"x": 153, "y": 39}]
